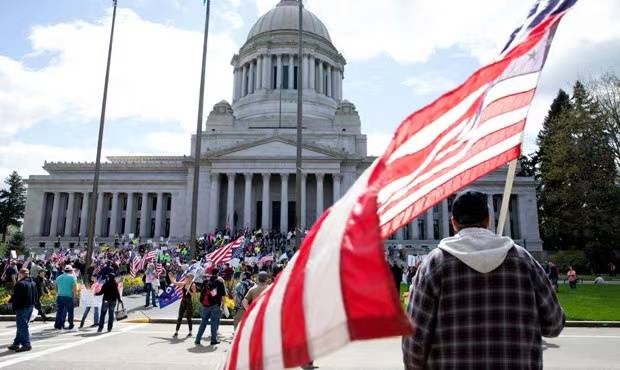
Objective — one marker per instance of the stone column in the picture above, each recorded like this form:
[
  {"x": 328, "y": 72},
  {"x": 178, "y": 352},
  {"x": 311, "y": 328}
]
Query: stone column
[
  {"x": 302, "y": 222},
  {"x": 338, "y": 85},
  {"x": 244, "y": 81},
  {"x": 305, "y": 72},
  {"x": 143, "y": 214},
  {"x": 247, "y": 201},
  {"x": 54, "y": 223},
  {"x": 321, "y": 87},
  {"x": 267, "y": 72},
  {"x": 259, "y": 73},
  {"x": 251, "y": 78},
  {"x": 312, "y": 73},
  {"x": 491, "y": 212},
  {"x": 235, "y": 84},
  {"x": 99, "y": 214},
  {"x": 214, "y": 201},
  {"x": 291, "y": 72},
  {"x": 445, "y": 219},
  {"x": 336, "y": 178},
  {"x": 230, "y": 202},
  {"x": 319, "y": 195},
  {"x": 430, "y": 227},
  {"x": 84, "y": 217},
  {"x": 114, "y": 215},
  {"x": 329, "y": 91},
  {"x": 279, "y": 72},
  {"x": 159, "y": 209},
  {"x": 129, "y": 213},
  {"x": 70, "y": 209},
  {"x": 507, "y": 226},
  {"x": 415, "y": 230},
  {"x": 284, "y": 202},
  {"x": 266, "y": 202}
]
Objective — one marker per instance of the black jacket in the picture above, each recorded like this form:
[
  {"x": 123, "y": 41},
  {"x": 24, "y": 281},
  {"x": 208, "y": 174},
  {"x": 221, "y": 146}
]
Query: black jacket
[
  {"x": 41, "y": 284},
  {"x": 213, "y": 284},
  {"x": 24, "y": 294},
  {"x": 109, "y": 291}
]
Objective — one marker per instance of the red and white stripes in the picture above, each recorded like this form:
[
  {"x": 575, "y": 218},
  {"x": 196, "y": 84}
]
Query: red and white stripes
[{"x": 338, "y": 288}]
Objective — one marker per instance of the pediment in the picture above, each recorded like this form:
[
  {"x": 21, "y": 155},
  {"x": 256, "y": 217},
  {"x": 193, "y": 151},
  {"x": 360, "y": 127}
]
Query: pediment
[{"x": 273, "y": 148}]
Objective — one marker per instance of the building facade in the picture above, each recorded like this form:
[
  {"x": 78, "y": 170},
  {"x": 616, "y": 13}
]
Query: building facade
[{"x": 248, "y": 159}]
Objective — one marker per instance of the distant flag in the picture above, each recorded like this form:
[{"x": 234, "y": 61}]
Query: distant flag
[
  {"x": 135, "y": 266},
  {"x": 320, "y": 301},
  {"x": 225, "y": 254},
  {"x": 159, "y": 270},
  {"x": 148, "y": 257}
]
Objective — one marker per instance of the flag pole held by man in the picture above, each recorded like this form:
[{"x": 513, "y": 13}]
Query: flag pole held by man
[{"x": 338, "y": 287}]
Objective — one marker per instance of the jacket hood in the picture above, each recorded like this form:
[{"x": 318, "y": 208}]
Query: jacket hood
[{"x": 478, "y": 248}]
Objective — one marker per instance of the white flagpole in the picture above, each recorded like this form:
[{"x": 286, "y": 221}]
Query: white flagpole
[{"x": 512, "y": 170}]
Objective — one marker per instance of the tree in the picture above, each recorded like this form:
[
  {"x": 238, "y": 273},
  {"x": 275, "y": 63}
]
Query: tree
[
  {"x": 12, "y": 203},
  {"x": 606, "y": 91},
  {"x": 578, "y": 196}
]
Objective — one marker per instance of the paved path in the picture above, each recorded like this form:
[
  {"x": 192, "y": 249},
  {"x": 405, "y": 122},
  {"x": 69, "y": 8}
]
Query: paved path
[{"x": 144, "y": 346}]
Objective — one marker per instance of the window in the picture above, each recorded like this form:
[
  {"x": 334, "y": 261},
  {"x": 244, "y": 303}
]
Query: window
[
  {"x": 167, "y": 229},
  {"x": 154, "y": 204},
  {"x": 169, "y": 204},
  {"x": 139, "y": 203},
  {"x": 274, "y": 78},
  {"x": 285, "y": 77},
  {"x": 295, "y": 78}
]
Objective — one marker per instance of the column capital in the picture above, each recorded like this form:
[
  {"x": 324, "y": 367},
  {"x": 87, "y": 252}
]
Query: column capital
[
  {"x": 248, "y": 175},
  {"x": 319, "y": 175},
  {"x": 337, "y": 176},
  {"x": 231, "y": 175},
  {"x": 284, "y": 176},
  {"x": 266, "y": 176},
  {"x": 215, "y": 176}
]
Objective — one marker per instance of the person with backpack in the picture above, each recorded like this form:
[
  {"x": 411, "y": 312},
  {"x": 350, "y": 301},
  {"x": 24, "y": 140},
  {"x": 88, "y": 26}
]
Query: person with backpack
[
  {"x": 239, "y": 292},
  {"x": 212, "y": 300}
]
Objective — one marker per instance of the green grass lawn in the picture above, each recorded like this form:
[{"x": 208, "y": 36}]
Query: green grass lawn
[
  {"x": 591, "y": 302},
  {"x": 586, "y": 303}
]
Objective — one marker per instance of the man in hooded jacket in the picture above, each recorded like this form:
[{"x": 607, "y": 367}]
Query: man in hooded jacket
[{"x": 479, "y": 301}]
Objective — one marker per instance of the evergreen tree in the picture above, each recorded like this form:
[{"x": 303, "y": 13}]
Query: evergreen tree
[
  {"x": 577, "y": 196},
  {"x": 12, "y": 203}
]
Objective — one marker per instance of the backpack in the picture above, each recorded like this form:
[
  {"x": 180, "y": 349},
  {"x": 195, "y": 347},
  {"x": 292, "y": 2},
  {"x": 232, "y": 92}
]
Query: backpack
[{"x": 206, "y": 294}]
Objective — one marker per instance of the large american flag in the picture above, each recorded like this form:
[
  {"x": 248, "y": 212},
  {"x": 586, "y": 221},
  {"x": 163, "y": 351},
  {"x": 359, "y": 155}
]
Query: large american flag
[
  {"x": 148, "y": 257},
  {"x": 225, "y": 254},
  {"x": 338, "y": 287}
]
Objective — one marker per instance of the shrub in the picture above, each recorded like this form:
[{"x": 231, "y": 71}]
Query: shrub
[{"x": 575, "y": 258}]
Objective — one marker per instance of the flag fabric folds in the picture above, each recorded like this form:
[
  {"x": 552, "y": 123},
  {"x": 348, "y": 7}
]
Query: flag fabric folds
[
  {"x": 338, "y": 288},
  {"x": 224, "y": 254}
]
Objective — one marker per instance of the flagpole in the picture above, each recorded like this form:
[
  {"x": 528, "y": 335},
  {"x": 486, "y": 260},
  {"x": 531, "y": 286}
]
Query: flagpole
[
  {"x": 198, "y": 143},
  {"x": 512, "y": 170},
  {"x": 298, "y": 166},
  {"x": 92, "y": 211}
]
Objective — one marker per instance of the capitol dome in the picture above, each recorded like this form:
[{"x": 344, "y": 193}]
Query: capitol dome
[{"x": 285, "y": 16}]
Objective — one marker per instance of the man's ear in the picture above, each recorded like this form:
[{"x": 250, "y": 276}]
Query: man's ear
[{"x": 455, "y": 225}]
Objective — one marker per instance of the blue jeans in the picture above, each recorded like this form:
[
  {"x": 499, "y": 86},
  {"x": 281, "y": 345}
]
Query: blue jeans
[
  {"x": 22, "y": 317},
  {"x": 109, "y": 308},
  {"x": 85, "y": 315},
  {"x": 64, "y": 308},
  {"x": 212, "y": 315},
  {"x": 151, "y": 294}
]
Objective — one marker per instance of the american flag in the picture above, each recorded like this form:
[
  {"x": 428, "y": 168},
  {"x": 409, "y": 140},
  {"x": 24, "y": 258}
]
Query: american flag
[
  {"x": 148, "y": 257},
  {"x": 462, "y": 136},
  {"x": 135, "y": 266},
  {"x": 224, "y": 254},
  {"x": 159, "y": 270}
]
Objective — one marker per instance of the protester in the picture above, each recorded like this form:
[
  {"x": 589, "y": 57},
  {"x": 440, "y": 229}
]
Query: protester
[
  {"x": 87, "y": 310},
  {"x": 41, "y": 284},
  {"x": 66, "y": 288},
  {"x": 554, "y": 275},
  {"x": 571, "y": 275},
  {"x": 479, "y": 301},
  {"x": 255, "y": 292},
  {"x": 23, "y": 300},
  {"x": 186, "y": 309},
  {"x": 10, "y": 275},
  {"x": 150, "y": 276},
  {"x": 239, "y": 292},
  {"x": 212, "y": 303},
  {"x": 111, "y": 295}
]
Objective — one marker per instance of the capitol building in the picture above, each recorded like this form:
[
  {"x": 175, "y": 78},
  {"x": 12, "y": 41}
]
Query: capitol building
[{"x": 247, "y": 164}]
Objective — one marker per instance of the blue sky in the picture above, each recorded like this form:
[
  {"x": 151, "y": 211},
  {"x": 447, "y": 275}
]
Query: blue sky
[{"x": 401, "y": 55}]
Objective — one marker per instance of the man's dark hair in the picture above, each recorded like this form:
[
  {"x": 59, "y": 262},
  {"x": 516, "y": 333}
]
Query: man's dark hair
[
  {"x": 247, "y": 276},
  {"x": 470, "y": 209}
]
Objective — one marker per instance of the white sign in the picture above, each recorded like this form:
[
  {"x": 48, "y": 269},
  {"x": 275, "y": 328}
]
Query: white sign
[
  {"x": 13, "y": 254},
  {"x": 89, "y": 299}
]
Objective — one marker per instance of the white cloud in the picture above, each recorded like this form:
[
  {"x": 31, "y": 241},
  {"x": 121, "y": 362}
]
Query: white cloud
[
  {"x": 233, "y": 18},
  {"x": 168, "y": 143},
  {"x": 155, "y": 74},
  {"x": 28, "y": 159},
  {"x": 429, "y": 84},
  {"x": 378, "y": 142}
]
